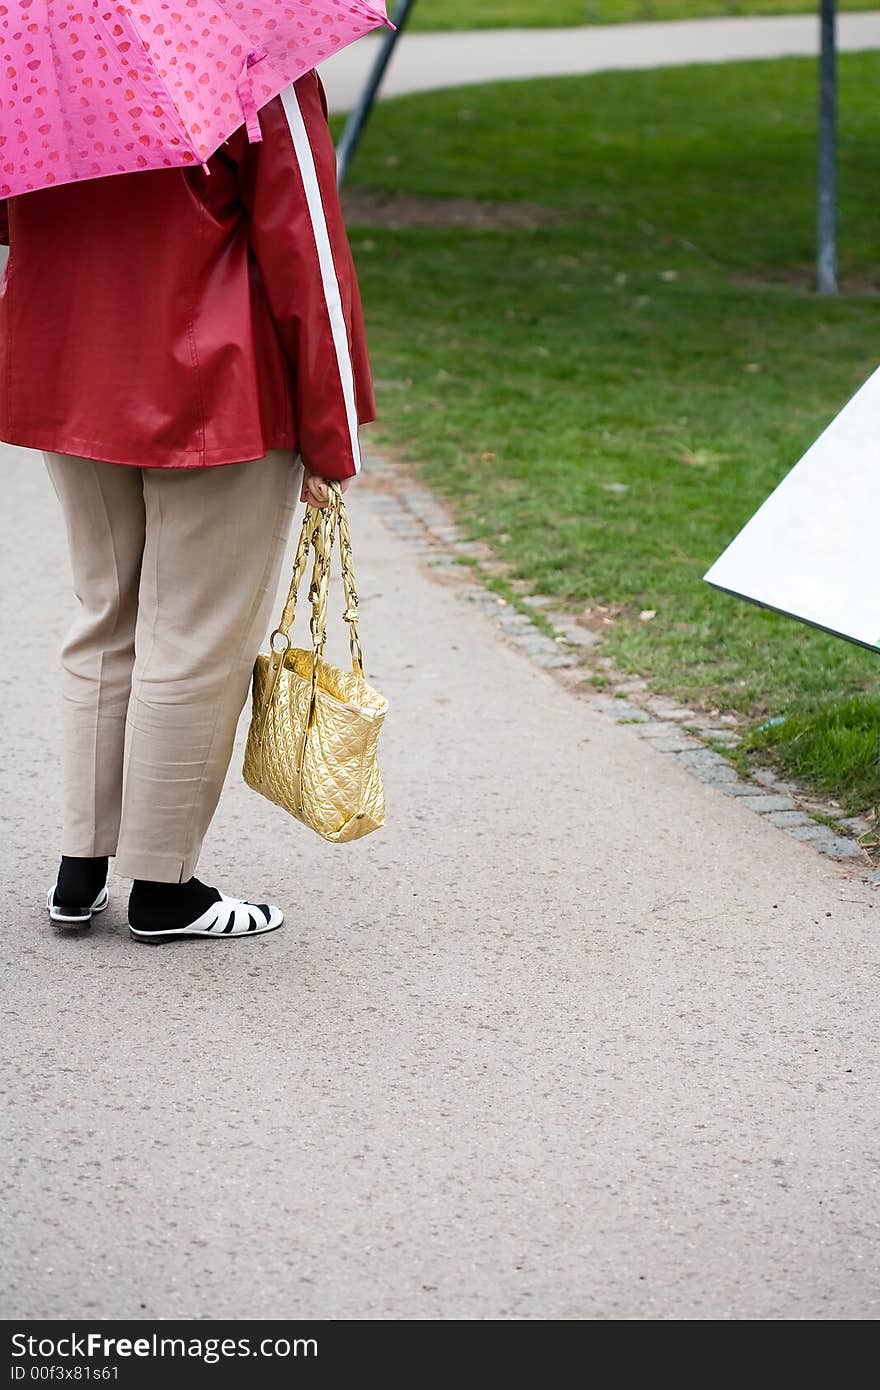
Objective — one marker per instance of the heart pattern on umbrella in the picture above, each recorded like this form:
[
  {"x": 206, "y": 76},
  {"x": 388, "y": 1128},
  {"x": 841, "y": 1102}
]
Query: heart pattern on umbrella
[{"x": 91, "y": 88}]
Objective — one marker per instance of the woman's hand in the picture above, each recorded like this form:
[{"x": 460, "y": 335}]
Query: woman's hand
[{"x": 315, "y": 491}]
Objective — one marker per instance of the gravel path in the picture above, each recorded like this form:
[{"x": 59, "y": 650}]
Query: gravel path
[
  {"x": 423, "y": 62},
  {"x": 576, "y": 1036}
]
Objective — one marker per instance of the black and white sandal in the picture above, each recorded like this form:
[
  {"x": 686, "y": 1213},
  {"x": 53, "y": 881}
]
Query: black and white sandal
[
  {"x": 67, "y": 915},
  {"x": 225, "y": 918}
]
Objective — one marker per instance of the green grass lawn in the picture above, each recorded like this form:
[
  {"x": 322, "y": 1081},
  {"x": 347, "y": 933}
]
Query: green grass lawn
[
  {"x": 492, "y": 14},
  {"x": 607, "y": 398}
]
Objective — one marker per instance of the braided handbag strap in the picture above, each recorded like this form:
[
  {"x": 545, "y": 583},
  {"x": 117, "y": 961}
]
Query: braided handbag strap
[{"x": 319, "y": 531}]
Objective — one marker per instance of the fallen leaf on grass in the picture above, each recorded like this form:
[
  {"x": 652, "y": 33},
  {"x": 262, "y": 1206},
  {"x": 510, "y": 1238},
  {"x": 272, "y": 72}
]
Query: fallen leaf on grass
[{"x": 700, "y": 458}]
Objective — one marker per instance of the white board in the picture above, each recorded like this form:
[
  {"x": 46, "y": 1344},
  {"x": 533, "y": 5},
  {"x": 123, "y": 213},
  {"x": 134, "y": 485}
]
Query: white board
[{"x": 812, "y": 550}]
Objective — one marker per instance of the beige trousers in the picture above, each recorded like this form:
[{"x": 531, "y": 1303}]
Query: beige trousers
[{"x": 176, "y": 573}]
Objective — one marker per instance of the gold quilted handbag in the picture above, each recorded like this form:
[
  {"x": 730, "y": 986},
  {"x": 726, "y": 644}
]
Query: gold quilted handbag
[{"x": 312, "y": 744}]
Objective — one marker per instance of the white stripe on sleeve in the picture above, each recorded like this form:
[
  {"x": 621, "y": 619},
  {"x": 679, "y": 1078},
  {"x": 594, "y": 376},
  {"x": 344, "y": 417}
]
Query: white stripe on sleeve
[{"x": 306, "y": 159}]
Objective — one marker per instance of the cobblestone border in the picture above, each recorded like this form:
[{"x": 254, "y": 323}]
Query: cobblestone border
[{"x": 695, "y": 741}]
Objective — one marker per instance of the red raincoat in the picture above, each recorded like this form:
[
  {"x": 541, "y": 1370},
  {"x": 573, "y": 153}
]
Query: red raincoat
[{"x": 177, "y": 319}]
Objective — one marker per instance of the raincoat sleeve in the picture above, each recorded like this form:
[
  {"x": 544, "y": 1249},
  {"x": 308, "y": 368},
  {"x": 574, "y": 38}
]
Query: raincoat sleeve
[{"x": 299, "y": 242}]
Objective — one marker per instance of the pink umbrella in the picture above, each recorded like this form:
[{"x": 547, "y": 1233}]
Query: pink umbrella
[{"x": 91, "y": 87}]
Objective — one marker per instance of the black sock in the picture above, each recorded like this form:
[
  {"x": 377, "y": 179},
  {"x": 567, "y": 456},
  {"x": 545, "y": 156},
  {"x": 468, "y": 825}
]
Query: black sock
[
  {"x": 80, "y": 881},
  {"x": 167, "y": 906}
]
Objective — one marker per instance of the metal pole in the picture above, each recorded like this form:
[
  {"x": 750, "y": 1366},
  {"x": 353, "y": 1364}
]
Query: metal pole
[
  {"x": 826, "y": 254},
  {"x": 357, "y": 121}
]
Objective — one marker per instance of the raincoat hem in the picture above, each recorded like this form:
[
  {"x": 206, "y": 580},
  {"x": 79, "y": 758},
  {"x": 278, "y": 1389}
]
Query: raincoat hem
[{"x": 151, "y": 458}]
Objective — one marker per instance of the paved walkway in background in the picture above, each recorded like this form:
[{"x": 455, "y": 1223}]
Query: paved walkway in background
[
  {"x": 423, "y": 62},
  {"x": 575, "y": 1036}
]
